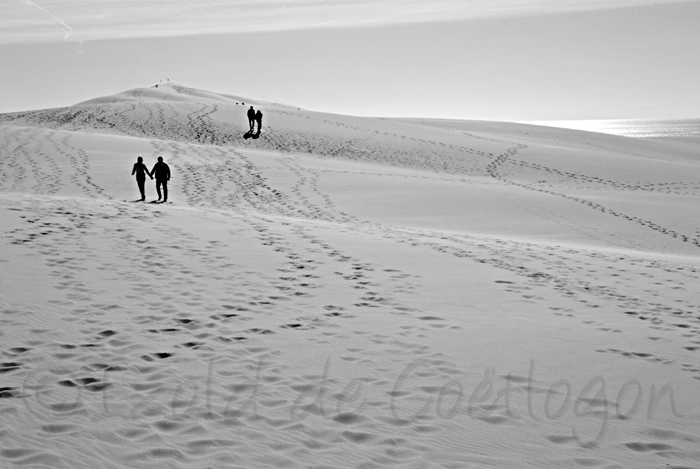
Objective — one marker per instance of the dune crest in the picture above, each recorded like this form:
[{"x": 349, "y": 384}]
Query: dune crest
[{"x": 169, "y": 91}]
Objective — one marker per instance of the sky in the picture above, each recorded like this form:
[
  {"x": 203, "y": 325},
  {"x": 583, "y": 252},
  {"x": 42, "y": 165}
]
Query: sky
[{"x": 515, "y": 60}]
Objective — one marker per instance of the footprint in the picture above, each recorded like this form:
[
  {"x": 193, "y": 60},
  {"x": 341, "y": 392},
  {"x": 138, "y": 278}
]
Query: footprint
[
  {"x": 156, "y": 356},
  {"x": 9, "y": 366}
]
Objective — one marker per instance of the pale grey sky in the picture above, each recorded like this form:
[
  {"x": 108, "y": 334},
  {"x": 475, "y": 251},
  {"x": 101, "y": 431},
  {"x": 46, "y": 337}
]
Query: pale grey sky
[
  {"x": 52, "y": 20},
  {"x": 476, "y": 59}
]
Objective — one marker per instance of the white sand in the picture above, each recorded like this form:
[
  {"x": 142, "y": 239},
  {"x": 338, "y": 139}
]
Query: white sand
[{"x": 343, "y": 291}]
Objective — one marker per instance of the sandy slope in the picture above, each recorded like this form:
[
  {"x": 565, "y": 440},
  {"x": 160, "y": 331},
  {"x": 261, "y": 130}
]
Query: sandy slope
[{"x": 343, "y": 291}]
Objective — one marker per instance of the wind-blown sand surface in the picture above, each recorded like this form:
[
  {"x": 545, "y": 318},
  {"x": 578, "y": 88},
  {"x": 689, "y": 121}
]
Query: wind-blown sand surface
[{"x": 343, "y": 291}]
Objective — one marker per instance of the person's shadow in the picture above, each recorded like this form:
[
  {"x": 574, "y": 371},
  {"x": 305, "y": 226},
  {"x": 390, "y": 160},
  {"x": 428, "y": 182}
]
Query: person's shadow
[{"x": 250, "y": 134}]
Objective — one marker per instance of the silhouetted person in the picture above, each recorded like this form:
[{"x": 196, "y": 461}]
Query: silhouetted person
[
  {"x": 140, "y": 170},
  {"x": 258, "y": 119},
  {"x": 162, "y": 173},
  {"x": 251, "y": 118}
]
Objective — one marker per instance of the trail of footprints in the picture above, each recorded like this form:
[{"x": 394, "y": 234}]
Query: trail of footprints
[
  {"x": 297, "y": 279},
  {"x": 201, "y": 128},
  {"x": 198, "y": 119},
  {"x": 105, "y": 371},
  {"x": 255, "y": 187},
  {"x": 495, "y": 167},
  {"x": 301, "y": 273},
  {"x": 680, "y": 318}
]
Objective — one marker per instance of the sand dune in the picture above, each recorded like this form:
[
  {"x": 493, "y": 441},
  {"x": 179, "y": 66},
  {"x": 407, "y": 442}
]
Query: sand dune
[{"x": 343, "y": 291}]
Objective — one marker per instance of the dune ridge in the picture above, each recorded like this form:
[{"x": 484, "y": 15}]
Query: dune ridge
[{"x": 342, "y": 291}]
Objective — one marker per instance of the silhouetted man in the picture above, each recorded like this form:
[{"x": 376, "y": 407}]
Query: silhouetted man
[
  {"x": 162, "y": 173},
  {"x": 251, "y": 118},
  {"x": 258, "y": 119},
  {"x": 141, "y": 171}
]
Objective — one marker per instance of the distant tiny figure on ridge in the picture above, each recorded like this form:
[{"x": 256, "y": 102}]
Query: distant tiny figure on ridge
[
  {"x": 162, "y": 173},
  {"x": 251, "y": 118},
  {"x": 141, "y": 171},
  {"x": 258, "y": 119}
]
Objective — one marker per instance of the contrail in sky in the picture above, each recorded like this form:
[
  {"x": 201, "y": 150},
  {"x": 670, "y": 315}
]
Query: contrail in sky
[{"x": 59, "y": 20}]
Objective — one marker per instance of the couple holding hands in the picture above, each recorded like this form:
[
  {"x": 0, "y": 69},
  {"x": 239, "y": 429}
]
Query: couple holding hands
[{"x": 160, "y": 170}]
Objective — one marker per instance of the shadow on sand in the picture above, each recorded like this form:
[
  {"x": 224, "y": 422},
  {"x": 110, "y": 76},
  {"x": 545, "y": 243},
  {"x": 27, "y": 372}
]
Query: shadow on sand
[{"x": 250, "y": 134}]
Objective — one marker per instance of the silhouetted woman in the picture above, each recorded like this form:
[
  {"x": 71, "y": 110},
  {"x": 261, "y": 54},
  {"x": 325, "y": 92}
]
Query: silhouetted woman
[
  {"x": 140, "y": 170},
  {"x": 258, "y": 119}
]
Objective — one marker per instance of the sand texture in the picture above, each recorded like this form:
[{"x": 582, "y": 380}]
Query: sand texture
[{"x": 343, "y": 292}]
